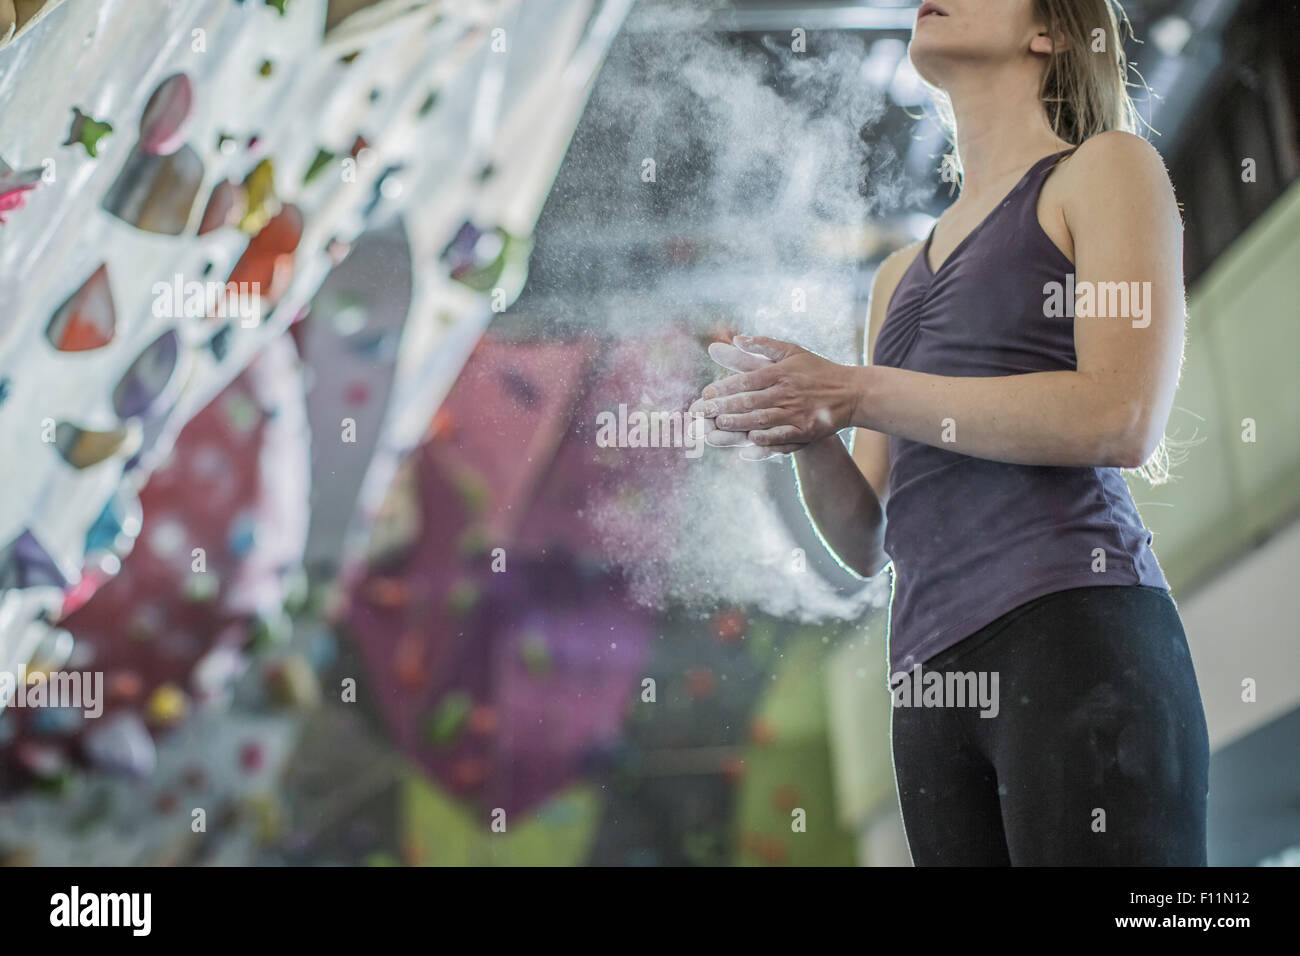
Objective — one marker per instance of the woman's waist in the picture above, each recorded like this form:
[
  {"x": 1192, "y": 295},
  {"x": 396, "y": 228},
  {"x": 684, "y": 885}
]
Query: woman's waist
[{"x": 977, "y": 507}]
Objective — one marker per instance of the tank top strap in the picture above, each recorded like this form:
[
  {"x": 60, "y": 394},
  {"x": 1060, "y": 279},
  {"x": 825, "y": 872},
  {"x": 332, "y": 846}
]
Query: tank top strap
[
  {"x": 1049, "y": 164},
  {"x": 1024, "y": 217},
  {"x": 1032, "y": 184}
]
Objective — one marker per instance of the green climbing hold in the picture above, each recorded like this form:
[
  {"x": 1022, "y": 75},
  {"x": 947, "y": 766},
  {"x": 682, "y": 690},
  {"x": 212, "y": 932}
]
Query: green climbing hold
[
  {"x": 202, "y": 588},
  {"x": 444, "y": 725},
  {"x": 535, "y": 654},
  {"x": 87, "y": 131},
  {"x": 323, "y": 158},
  {"x": 462, "y": 597}
]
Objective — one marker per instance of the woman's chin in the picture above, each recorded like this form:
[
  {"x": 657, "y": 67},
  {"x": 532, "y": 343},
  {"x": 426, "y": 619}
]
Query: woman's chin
[{"x": 930, "y": 59}]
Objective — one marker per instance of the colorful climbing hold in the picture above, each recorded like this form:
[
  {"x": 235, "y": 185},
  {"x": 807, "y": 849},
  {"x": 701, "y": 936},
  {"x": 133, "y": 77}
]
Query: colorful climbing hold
[
  {"x": 202, "y": 588},
  {"x": 483, "y": 720},
  {"x": 700, "y": 682},
  {"x": 462, "y": 597},
  {"x": 409, "y": 662},
  {"x": 226, "y": 206},
  {"x": 762, "y": 732},
  {"x": 785, "y": 798},
  {"x": 124, "y": 686},
  {"x": 444, "y": 725},
  {"x": 729, "y": 626},
  {"x": 87, "y": 319},
  {"x": 261, "y": 203},
  {"x": 15, "y": 184},
  {"x": 167, "y": 116},
  {"x": 87, "y": 131},
  {"x": 291, "y": 682},
  {"x": 323, "y": 158},
  {"x": 167, "y": 705},
  {"x": 82, "y": 448},
  {"x": 387, "y": 592},
  {"x": 535, "y": 653},
  {"x": 356, "y": 393},
  {"x": 468, "y": 773},
  {"x": 144, "y": 386},
  {"x": 243, "y": 535},
  {"x": 252, "y": 756}
]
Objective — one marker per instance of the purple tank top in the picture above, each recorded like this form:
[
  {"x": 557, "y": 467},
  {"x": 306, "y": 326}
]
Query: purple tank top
[{"x": 971, "y": 539}]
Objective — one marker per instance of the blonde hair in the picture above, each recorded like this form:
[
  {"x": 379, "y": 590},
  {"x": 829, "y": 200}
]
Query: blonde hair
[{"x": 1085, "y": 86}]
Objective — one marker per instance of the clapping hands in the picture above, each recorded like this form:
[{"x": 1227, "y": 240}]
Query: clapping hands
[{"x": 782, "y": 398}]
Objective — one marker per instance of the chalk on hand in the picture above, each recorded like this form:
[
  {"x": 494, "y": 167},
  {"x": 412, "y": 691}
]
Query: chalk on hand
[{"x": 735, "y": 359}]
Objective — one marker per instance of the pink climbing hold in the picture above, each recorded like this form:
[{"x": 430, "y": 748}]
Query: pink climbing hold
[
  {"x": 14, "y": 186},
  {"x": 225, "y": 208},
  {"x": 251, "y": 757},
  {"x": 167, "y": 116}
]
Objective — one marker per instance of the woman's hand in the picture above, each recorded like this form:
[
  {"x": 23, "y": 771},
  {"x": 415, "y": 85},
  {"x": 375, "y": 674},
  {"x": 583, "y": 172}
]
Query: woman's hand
[
  {"x": 738, "y": 360},
  {"x": 784, "y": 398}
]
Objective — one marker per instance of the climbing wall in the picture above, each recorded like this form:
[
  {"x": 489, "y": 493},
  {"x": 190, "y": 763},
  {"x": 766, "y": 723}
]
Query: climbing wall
[{"x": 178, "y": 182}]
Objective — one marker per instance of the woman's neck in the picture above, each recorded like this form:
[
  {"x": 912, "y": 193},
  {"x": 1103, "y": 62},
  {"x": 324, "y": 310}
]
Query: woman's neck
[{"x": 1001, "y": 128}]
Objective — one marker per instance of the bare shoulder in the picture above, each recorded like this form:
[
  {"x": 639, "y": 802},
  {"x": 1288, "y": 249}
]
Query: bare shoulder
[
  {"x": 1115, "y": 163},
  {"x": 888, "y": 274}
]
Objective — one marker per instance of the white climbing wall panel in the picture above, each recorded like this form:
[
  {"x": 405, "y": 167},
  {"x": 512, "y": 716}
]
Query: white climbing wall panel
[{"x": 395, "y": 110}]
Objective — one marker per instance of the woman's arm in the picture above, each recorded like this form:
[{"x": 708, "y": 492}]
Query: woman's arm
[
  {"x": 843, "y": 507},
  {"x": 1110, "y": 411}
]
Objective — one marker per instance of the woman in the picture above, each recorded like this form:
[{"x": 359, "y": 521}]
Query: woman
[{"x": 993, "y": 423}]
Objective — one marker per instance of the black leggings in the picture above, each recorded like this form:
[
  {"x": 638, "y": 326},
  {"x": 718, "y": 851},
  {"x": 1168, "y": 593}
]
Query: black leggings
[{"x": 1097, "y": 756}]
